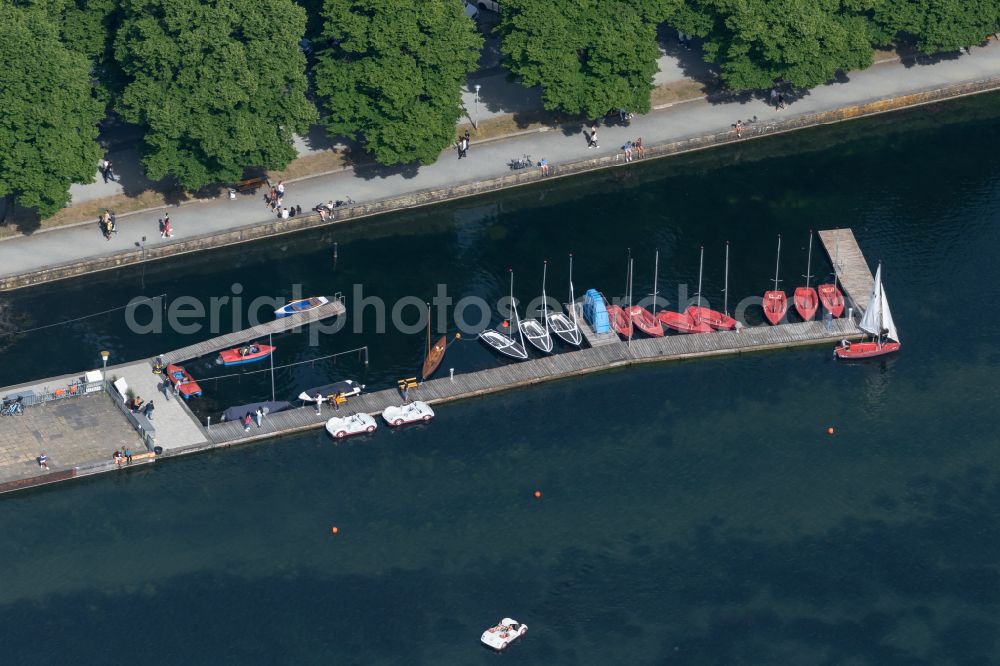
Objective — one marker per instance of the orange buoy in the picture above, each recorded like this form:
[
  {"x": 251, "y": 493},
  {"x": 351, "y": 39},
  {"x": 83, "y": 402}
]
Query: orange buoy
[
  {"x": 538, "y": 493},
  {"x": 829, "y": 430},
  {"x": 334, "y": 529}
]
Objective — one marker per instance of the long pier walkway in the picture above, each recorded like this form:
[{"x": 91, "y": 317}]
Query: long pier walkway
[{"x": 849, "y": 262}]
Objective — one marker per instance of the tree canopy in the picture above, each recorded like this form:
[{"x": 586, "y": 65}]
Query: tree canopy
[
  {"x": 390, "y": 72},
  {"x": 218, "y": 84},
  {"x": 937, "y": 25},
  {"x": 48, "y": 119},
  {"x": 588, "y": 56}
]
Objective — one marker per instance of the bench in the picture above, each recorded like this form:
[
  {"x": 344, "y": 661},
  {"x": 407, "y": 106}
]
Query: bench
[{"x": 251, "y": 185}]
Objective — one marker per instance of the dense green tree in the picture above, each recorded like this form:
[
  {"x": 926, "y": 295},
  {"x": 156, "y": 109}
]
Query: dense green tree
[
  {"x": 937, "y": 25},
  {"x": 588, "y": 56},
  {"x": 48, "y": 114},
  {"x": 390, "y": 72},
  {"x": 756, "y": 42},
  {"x": 219, "y": 85}
]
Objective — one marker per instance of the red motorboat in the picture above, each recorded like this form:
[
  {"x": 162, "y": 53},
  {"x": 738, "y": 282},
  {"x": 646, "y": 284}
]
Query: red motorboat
[
  {"x": 183, "y": 382},
  {"x": 714, "y": 318},
  {"x": 775, "y": 301},
  {"x": 878, "y": 323},
  {"x": 245, "y": 354},
  {"x": 682, "y": 322},
  {"x": 619, "y": 321},
  {"x": 831, "y": 298},
  {"x": 644, "y": 321},
  {"x": 805, "y": 298}
]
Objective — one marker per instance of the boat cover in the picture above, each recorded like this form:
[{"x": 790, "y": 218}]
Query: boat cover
[
  {"x": 594, "y": 311},
  {"x": 239, "y": 411},
  {"x": 346, "y": 386}
]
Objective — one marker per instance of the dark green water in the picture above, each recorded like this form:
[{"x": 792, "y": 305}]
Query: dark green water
[{"x": 693, "y": 513}]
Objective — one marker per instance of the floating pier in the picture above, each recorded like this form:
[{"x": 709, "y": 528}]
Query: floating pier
[
  {"x": 593, "y": 338},
  {"x": 849, "y": 264},
  {"x": 178, "y": 432},
  {"x": 334, "y": 308}
]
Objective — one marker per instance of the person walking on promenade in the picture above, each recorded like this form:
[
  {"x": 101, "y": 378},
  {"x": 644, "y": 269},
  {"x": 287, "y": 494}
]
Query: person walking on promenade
[
  {"x": 147, "y": 411},
  {"x": 281, "y": 189},
  {"x": 165, "y": 231},
  {"x": 592, "y": 139},
  {"x": 103, "y": 168},
  {"x": 109, "y": 172},
  {"x": 271, "y": 197},
  {"x": 260, "y": 416},
  {"x": 114, "y": 223}
]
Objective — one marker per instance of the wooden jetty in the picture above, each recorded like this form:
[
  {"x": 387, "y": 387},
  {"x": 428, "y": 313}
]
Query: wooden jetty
[
  {"x": 849, "y": 262},
  {"x": 593, "y": 338},
  {"x": 257, "y": 333},
  {"x": 553, "y": 367}
]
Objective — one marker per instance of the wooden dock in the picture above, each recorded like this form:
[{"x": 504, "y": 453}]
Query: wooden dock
[
  {"x": 557, "y": 366},
  {"x": 593, "y": 338},
  {"x": 856, "y": 279},
  {"x": 257, "y": 333}
]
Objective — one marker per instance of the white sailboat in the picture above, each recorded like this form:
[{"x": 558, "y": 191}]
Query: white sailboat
[
  {"x": 566, "y": 328},
  {"x": 502, "y": 341},
  {"x": 538, "y": 332},
  {"x": 878, "y": 323}
]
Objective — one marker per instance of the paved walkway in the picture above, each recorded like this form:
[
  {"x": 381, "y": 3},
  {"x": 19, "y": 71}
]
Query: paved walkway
[{"x": 488, "y": 160}]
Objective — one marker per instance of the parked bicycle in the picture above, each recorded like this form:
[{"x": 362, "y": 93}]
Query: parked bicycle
[
  {"x": 522, "y": 162},
  {"x": 14, "y": 408}
]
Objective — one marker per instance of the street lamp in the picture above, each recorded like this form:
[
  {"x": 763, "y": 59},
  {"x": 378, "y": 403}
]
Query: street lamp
[
  {"x": 476, "y": 123},
  {"x": 104, "y": 370}
]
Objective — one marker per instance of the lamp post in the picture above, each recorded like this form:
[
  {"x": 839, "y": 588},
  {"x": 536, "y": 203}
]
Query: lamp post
[
  {"x": 104, "y": 369},
  {"x": 476, "y": 123}
]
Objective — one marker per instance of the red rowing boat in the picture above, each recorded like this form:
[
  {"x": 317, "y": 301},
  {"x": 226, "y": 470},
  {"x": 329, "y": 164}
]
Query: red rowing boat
[
  {"x": 831, "y": 298},
  {"x": 245, "y": 354},
  {"x": 644, "y": 321},
  {"x": 619, "y": 321},
  {"x": 714, "y": 318},
  {"x": 183, "y": 382},
  {"x": 682, "y": 322},
  {"x": 775, "y": 301}
]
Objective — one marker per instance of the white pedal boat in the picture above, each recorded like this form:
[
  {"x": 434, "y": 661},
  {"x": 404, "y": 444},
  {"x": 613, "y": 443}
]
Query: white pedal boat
[
  {"x": 346, "y": 426},
  {"x": 412, "y": 412},
  {"x": 505, "y": 633}
]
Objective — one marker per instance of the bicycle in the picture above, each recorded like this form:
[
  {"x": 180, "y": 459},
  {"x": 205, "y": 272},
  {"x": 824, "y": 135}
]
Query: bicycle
[
  {"x": 14, "y": 408},
  {"x": 522, "y": 162}
]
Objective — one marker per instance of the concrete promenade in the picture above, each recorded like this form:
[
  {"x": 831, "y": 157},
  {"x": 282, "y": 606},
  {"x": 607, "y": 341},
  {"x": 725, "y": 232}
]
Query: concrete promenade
[{"x": 486, "y": 161}]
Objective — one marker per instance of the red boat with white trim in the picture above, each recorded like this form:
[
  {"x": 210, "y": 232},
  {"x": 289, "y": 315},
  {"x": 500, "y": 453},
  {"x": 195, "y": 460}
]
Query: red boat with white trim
[
  {"x": 831, "y": 297},
  {"x": 682, "y": 322},
  {"x": 245, "y": 354},
  {"x": 805, "y": 298},
  {"x": 876, "y": 322},
  {"x": 775, "y": 301},
  {"x": 620, "y": 322}
]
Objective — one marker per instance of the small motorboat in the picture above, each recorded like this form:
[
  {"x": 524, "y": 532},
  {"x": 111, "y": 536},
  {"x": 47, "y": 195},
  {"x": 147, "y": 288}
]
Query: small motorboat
[
  {"x": 300, "y": 306},
  {"x": 503, "y": 634},
  {"x": 245, "y": 354},
  {"x": 183, "y": 382},
  {"x": 876, "y": 322},
  {"x": 502, "y": 341},
  {"x": 411, "y": 412},
  {"x": 345, "y": 388},
  {"x": 355, "y": 424},
  {"x": 568, "y": 329},
  {"x": 642, "y": 319},
  {"x": 775, "y": 302},
  {"x": 682, "y": 322},
  {"x": 805, "y": 298},
  {"x": 237, "y": 412},
  {"x": 831, "y": 298}
]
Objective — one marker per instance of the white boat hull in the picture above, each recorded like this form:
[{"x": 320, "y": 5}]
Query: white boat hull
[
  {"x": 412, "y": 412},
  {"x": 502, "y": 635},
  {"x": 356, "y": 424},
  {"x": 501, "y": 343},
  {"x": 565, "y": 328}
]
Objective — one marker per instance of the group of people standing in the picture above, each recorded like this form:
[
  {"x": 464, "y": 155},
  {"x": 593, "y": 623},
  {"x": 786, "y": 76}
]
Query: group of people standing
[
  {"x": 462, "y": 145},
  {"x": 107, "y": 172},
  {"x": 257, "y": 416},
  {"x": 275, "y": 200},
  {"x": 108, "y": 224}
]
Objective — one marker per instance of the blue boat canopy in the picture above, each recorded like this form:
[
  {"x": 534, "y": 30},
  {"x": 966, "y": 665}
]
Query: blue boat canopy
[{"x": 594, "y": 311}]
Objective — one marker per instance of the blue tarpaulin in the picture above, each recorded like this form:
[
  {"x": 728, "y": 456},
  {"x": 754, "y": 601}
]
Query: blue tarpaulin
[{"x": 594, "y": 311}]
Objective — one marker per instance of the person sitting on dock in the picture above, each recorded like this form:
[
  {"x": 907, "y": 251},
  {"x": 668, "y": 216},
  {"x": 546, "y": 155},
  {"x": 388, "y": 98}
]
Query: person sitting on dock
[{"x": 136, "y": 403}]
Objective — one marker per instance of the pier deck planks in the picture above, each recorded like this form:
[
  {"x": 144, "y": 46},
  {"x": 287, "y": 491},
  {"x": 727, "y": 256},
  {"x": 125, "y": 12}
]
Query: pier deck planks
[{"x": 856, "y": 279}]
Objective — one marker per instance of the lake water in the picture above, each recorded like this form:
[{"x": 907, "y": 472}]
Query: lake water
[{"x": 691, "y": 513}]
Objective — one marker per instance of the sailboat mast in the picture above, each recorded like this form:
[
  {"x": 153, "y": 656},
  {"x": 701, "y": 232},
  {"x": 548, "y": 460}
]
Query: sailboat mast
[
  {"x": 809, "y": 258},
  {"x": 725, "y": 291},
  {"x": 630, "y": 301},
  {"x": 513, "y": 305},
  {"x": 545, "y": 302},
  {"x": 836, "y": 259},
  {"x": 777, "y": 264},
  {"x": 428, "y": 329},
  {"x": 656, "y": 270},
  {"x": 572, "y": 300},
  {"x": 701, "y": 265}
]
